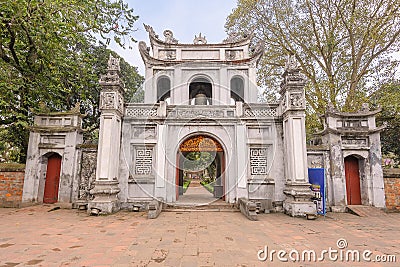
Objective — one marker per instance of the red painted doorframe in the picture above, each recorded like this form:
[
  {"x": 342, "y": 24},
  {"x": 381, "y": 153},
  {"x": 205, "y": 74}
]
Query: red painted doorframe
[
  {"x": 52, "y": 179},
  {"x": 223, "y": 174},
  {"x": 177, "y": 175},
  {"x": 352, "y": 173}
]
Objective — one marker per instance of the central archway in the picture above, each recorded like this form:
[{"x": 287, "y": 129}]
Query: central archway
[{"x": 201, "y": 157}]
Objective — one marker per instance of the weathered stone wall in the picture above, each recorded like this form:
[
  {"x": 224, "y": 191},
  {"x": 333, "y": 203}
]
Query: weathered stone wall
[
  {"x": 392, "y": 189},
  {"x": 11, "y": 184}
]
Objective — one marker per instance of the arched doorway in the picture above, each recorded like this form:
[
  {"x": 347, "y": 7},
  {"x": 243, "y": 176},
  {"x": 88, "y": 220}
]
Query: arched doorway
[
  {"x": 352, "y": 173},
  {"x": 201, "y": 157},
  {"x": 52, "y": 179}
]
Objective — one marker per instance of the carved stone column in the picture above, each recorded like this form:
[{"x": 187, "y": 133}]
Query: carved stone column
[
  {"x": 297, "y": 188},
  {"x": 112, "y": 107}
]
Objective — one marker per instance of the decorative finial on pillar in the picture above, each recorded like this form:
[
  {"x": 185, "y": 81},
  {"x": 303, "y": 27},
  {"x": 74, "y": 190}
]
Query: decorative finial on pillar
[
  {"x": 364, "y": 107},
  {"x": 76, "y": 108},
  {"x": 331, "y": 108},
  {"x": 291, "y": 63},
  {"x": 113, "y": 63},
  {"x": 112, "y": 77}
]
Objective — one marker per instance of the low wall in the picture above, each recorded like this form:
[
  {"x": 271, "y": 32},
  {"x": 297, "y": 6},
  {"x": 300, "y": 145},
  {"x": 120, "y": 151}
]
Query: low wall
[
  {"x": 392, "y": 189},
  {"x": 11, "y": 184}
]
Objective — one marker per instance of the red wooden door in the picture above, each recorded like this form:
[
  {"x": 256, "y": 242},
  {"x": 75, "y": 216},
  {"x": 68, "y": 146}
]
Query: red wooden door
[
  {"x": 352, "y": 180},
  {"x": 52, "y": 179}
]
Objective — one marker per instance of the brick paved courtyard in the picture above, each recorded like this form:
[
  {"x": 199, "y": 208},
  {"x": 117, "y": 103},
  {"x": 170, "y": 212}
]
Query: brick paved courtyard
[{"x": 33, "y": 236}]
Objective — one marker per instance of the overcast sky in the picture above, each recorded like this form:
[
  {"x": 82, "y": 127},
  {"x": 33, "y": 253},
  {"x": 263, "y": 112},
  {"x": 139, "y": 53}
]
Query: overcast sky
[{"x": 185, "y": 18}]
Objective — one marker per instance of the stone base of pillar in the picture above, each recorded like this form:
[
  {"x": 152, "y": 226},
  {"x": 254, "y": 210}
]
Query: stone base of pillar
[
  {"x": 105, "y": 198},
  {"x": 338, "y": 208},
  {"x": 298, "y": 201}
]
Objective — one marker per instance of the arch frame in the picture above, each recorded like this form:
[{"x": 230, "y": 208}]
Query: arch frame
[
  {"x": 237, "y": 76},
  {"x": 158, "y": 79},
  {"x": 222, "y": 154},
  {"x": 206, "y": 79}
]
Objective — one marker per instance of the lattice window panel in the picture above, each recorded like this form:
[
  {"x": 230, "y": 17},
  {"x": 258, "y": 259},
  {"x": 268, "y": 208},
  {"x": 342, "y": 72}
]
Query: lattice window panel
[
  {"x": 143, "y": 161},
  {"x": 258, "y": 161},
  {"x": 260, "y": 112},
  {"x": 141, "y": 112}
]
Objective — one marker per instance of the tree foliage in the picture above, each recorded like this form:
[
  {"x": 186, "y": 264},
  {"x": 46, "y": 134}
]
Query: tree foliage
[
  {"x": 343, "y": 46},
  {"x": 202, "y": 160},
  {"x": 48, "y": 55},
  {"x": 388, "y": 98}
]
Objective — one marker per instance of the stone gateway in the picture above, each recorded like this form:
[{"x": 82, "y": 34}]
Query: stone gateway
[{"x": 200, "y": 101}]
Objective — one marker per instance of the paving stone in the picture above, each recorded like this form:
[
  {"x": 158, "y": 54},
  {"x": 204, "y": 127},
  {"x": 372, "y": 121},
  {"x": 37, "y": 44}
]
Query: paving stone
[{"x": 71, "y": 238}]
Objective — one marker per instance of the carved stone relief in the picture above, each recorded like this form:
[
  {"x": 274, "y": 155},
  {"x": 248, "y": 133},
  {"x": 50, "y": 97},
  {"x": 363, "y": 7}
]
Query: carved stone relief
[
  {"x": 169, "y": 37},
  {"x": 113, "y": 63},
  {"x": 186, "y": 113},
  {"x": 284, "y": 103},
  {"x": 291, "y": 63},
  {"x": 199, "y": 39},
  {"x": 347, "y": 140},
  {"x": 296, "y": 100},
  {"x": 200, "y": 143},
  {"x": 167, "y": 54},
  {"x": 88, "y": 174},
  {"x": 108, "y": 100},
  {"x": 120, "y": 103},
  {"x": 151, "y": 31},
  {"x": 315, "y": 161},
  {"x": 233, "y": 54}
]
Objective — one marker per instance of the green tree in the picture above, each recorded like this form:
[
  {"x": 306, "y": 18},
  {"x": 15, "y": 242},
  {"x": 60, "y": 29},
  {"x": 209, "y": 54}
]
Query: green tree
[
  {"x": 46, "y": 54},
  {"x": 200, "y": 161},
  {"x": 387, "y": 97},
  {"x": 342, "y": 46}
]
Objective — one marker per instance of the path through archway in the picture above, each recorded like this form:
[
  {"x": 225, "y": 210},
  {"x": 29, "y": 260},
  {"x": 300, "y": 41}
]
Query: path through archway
[{"x": 200, "y": 171}]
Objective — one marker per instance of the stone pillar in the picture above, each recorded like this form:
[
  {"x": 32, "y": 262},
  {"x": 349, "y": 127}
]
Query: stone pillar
[
  {"x": 337, "y": 171},
  {"x": 378, "y": 188},
  {"x": 111, "y": 106},
  {"x": 241, "y": 161},
  {"x": 297, "y": 188}
]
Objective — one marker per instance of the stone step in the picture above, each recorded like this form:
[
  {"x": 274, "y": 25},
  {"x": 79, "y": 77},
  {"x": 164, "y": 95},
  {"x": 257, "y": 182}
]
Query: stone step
[
  {"x": 194, "y": 207},
  {"x": 365, "y": 211},
  {"x": 200, "y": 210}
]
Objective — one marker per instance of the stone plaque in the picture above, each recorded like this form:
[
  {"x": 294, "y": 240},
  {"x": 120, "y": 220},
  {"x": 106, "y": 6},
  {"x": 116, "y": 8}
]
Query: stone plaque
[
  {"x": 143, "y": 132},
  {"x": 200, "y": 54},
  {"x": 315, "y": 161},
  {"x": 258, "y": 133},
  {"x": 354, "y": 141}
]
